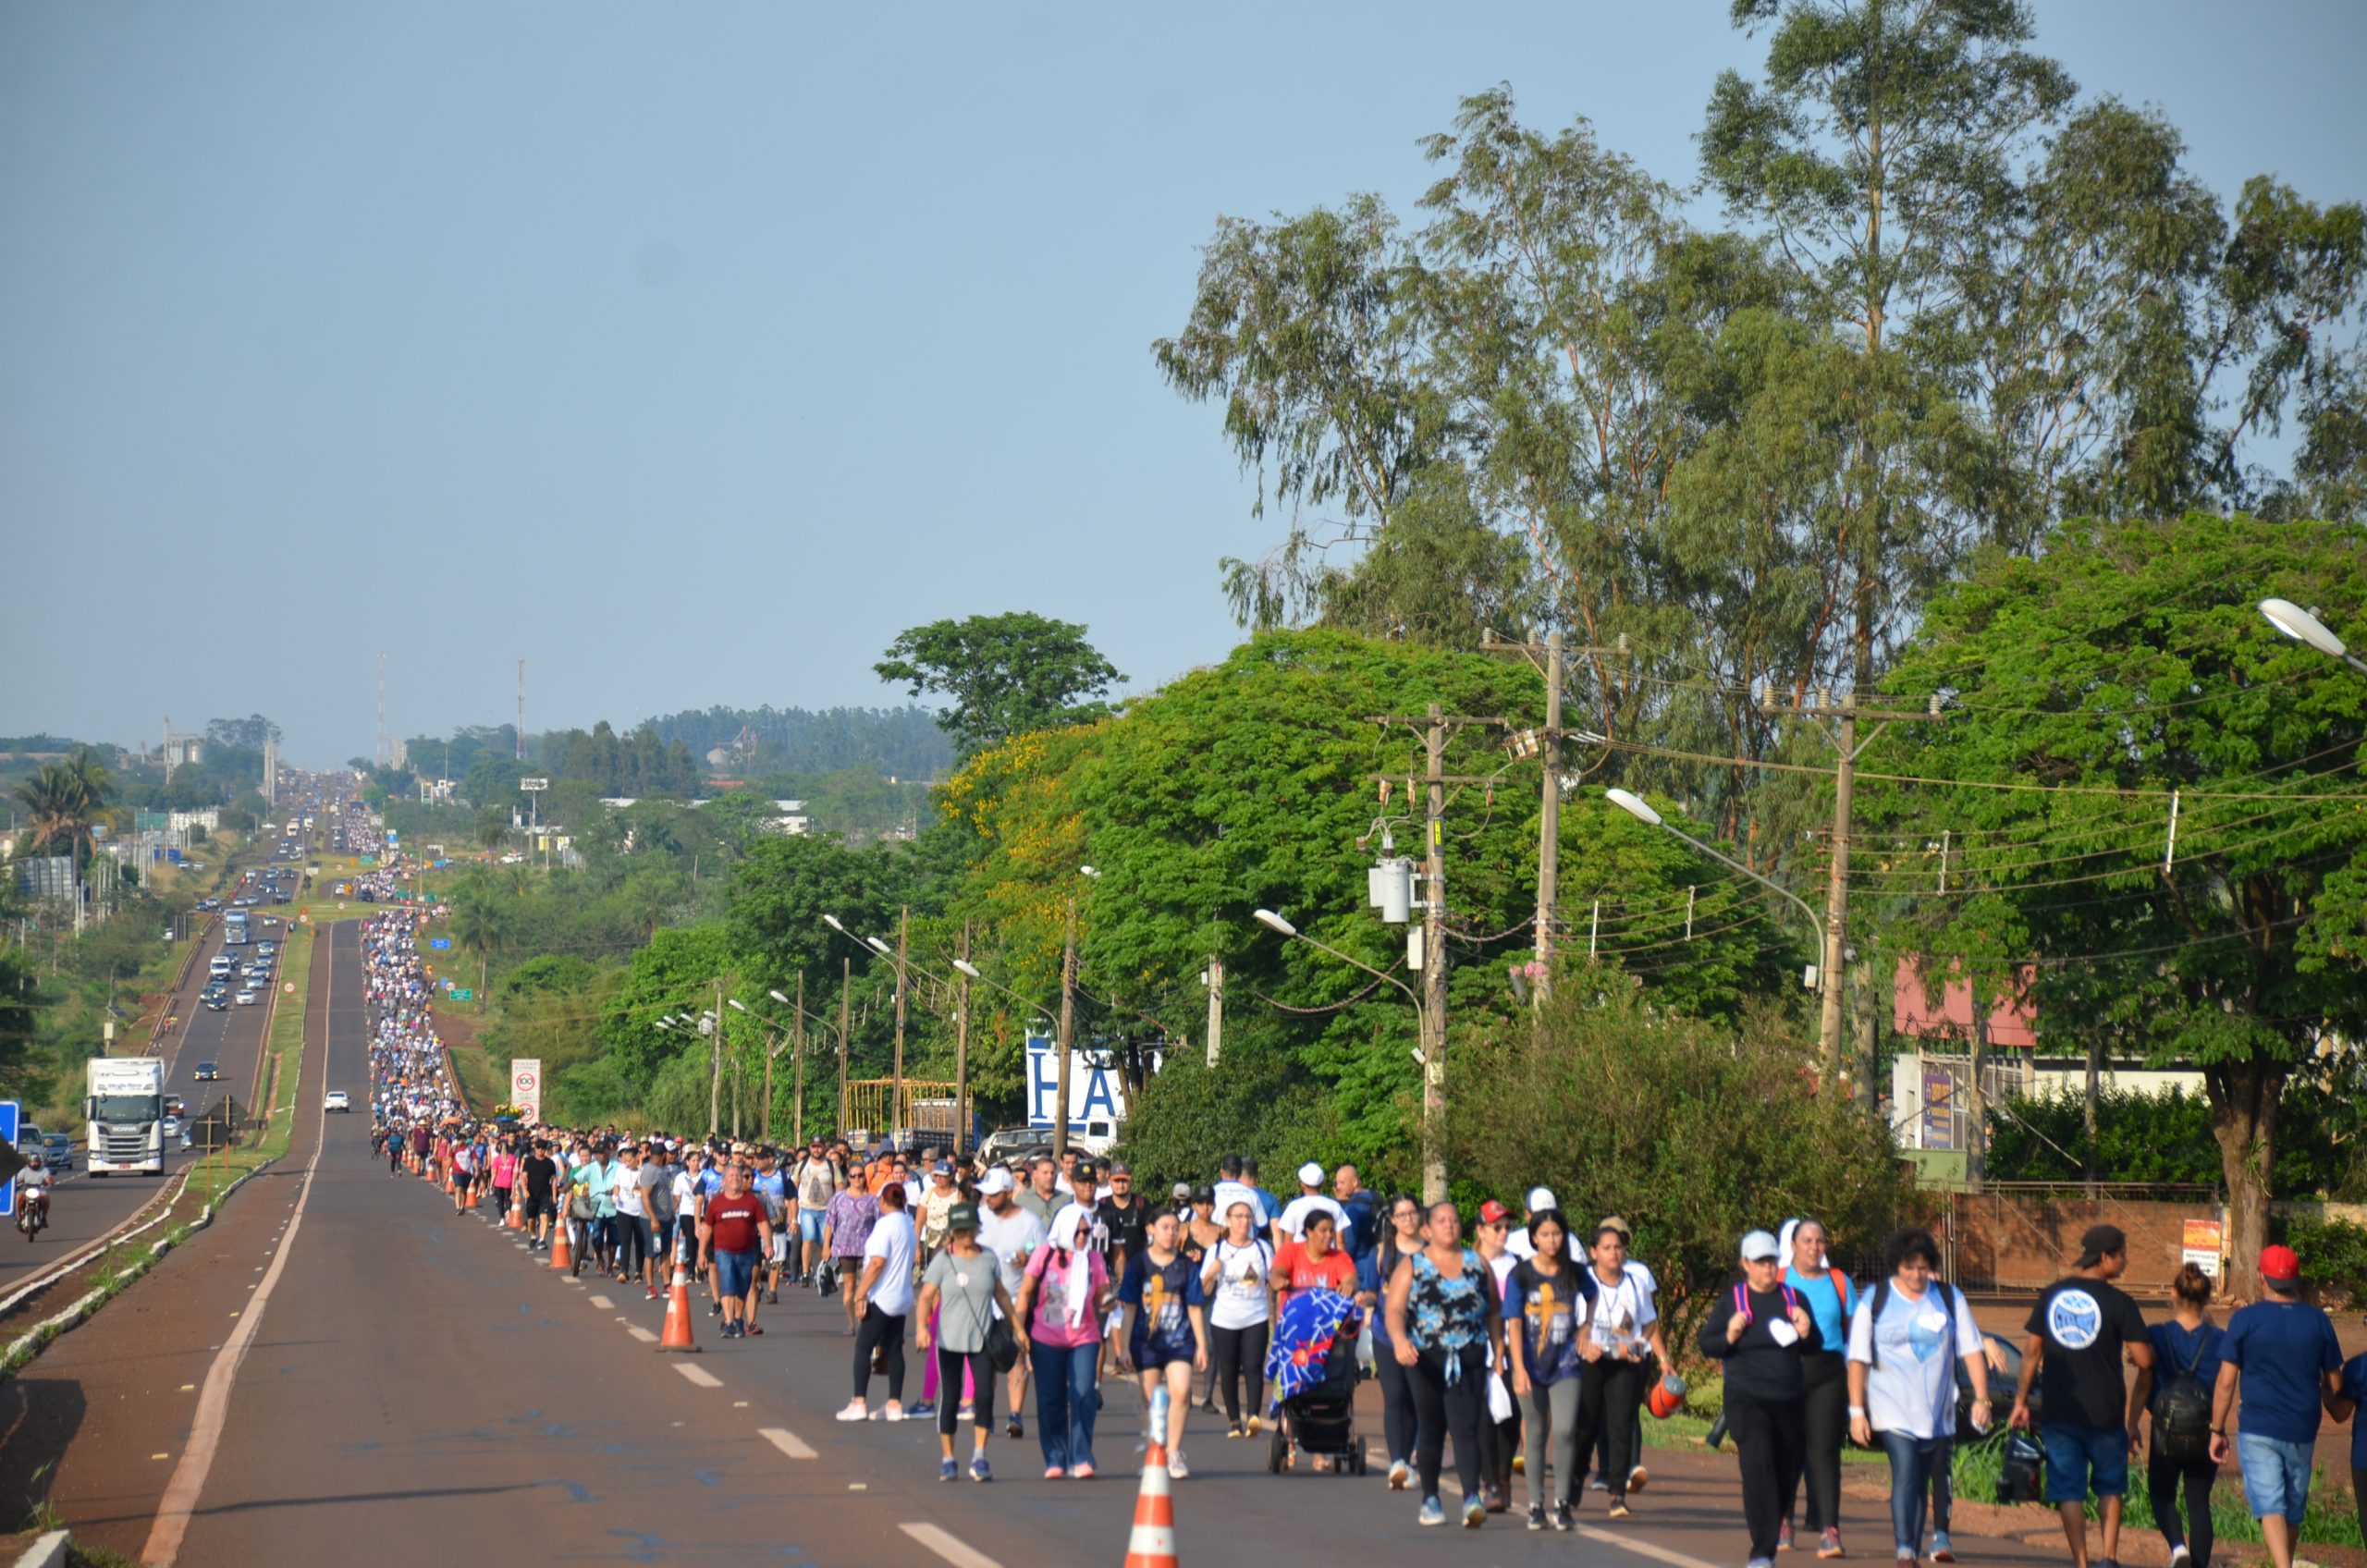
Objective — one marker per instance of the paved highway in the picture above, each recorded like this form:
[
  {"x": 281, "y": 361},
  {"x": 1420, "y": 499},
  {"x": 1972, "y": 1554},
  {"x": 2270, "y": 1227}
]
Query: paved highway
[
  {"x": 417, "y": 1381},
  {"x": 87, "y": 1207}
]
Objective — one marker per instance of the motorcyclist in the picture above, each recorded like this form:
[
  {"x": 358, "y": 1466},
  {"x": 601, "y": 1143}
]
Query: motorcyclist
[{"x": 33, "y": 1184}]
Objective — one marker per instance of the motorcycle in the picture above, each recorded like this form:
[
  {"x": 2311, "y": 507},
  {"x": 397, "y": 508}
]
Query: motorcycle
[{"x": 32, "y": 1211}]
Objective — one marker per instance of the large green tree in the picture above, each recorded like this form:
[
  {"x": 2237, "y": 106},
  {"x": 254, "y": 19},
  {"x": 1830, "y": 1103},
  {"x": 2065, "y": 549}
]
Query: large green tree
[
  {"x": 2120, "y": 684},
  {"x": 1004, "y": 674}
]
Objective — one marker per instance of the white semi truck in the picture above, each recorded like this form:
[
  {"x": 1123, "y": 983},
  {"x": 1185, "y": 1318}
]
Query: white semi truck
[{"x": 126, "y": 1110}]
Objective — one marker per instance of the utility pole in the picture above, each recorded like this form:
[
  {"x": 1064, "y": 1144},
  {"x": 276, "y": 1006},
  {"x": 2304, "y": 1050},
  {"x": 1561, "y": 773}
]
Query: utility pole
[
  {"x": 1068, "y": 1032},
  {"x": 962, "y": 1055},
  {"x": 714, "y": 1066},
  {"x": 797, "y": 1112},
  {"x": 896, "y": 1099},
  {"x": 1215, "y": 978},
  {"x": 1431, "y": 957},
  {"x": 1434, "y": 964},
  {"x": 846, "y": 1007},
  {"x": 1816, "y": 707},
  {"x": 1549, "y": 747}
]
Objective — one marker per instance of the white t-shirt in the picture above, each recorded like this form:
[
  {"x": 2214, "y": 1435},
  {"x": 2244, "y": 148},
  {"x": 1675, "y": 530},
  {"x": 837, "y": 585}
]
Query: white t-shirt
[
  {"x": 686, "y": 1194},
  {"x": 624, "y": 1188},
  {"x": 1230, "y": 1192},
  {"x": 1293, "y": 1224},
  {"x": 1518, "y": 1243},
  {"x": 1237, "y": 1297},
  {"x": 1013, "y": 1236},
  {"x": 1623, "y": 1312},
  {"x": 1913, "y": 1391},
  {"x": 891, "y": 1239}
]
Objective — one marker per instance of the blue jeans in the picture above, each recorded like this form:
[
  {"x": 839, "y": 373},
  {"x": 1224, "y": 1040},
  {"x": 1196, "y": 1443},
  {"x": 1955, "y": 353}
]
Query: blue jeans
[
  {"x": 1066, "y": 1402},
  {"x": 2081, "y": 1459},
  {"x": 1913, "y": 1463},
  {"x": 2277, "y": 1476}
]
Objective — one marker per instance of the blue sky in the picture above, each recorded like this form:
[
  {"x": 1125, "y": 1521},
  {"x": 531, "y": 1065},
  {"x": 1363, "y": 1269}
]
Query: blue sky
[{"x": 693, "y": 350}]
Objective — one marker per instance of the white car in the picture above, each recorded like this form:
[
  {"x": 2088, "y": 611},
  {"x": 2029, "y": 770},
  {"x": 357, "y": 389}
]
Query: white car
[
  {"x": 337, "y": 1099},
  {"x": 247, "y": 996}
]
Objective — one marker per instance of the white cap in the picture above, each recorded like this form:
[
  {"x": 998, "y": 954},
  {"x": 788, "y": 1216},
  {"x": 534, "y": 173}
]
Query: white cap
[
  {"x": 1757, "y": 1245},
  {"x": 996, "y": 1179},
  {"x": 1310, "y": 1174},
  {"x": 1541, "y": 1199}
]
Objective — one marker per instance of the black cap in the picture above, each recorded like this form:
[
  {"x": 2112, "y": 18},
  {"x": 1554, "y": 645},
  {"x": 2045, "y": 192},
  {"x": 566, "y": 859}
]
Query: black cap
[{"x": 2099, "y": 1243}]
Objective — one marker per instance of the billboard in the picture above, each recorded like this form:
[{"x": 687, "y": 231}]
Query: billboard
[
  {"x": 1096, "y": 1091},
  {"x": 526, "y": 1085}
]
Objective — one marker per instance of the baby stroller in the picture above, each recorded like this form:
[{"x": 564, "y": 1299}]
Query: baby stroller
[{"x": 1312, "y": 1365}]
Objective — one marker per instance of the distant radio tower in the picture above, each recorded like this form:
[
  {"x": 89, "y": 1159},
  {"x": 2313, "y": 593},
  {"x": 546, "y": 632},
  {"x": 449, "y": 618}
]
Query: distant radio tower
[
  {"x": 522, "y": 710},
  {"x": 385, "y": 747}
]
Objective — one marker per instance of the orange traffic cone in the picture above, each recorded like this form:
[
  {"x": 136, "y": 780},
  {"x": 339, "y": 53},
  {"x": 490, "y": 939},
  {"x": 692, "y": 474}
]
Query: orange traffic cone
[
  {"x": 1152, "y": 1544},
  {"x": 472, "y": 1195},
  {"x": 677, "y": 1334},
  {"x": 516, "y": 1219},
  {"x": 562, "y": 1255}
]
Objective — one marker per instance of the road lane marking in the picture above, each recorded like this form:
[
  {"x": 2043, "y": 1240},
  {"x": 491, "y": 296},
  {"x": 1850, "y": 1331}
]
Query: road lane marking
[
  {"x": 1643, "y": 1548},
  {"x": 791, "y": 1445},
  {"x": 638, "y": 1332},
  {"x": 604, "y": 1304},
  {"x": 698, "y": 1375},
  {"x": 958, "y": 1552},
  {"x": 179, "y": 1501}
]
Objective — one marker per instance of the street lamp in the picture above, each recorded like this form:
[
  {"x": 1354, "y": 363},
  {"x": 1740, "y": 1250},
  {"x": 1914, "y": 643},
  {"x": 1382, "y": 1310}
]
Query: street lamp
[
  {"x": 896, "y": 1108},
  {"x": 1642, "y": 811},
  {"x": 2302, "y": 627}
]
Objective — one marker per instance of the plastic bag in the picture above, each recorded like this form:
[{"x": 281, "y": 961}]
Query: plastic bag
[{"x": 1499, "y": 1398}]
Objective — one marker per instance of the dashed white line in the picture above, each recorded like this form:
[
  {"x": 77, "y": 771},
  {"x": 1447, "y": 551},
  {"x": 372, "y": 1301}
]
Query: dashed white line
[
  {"x": 958, "y": 1552},
  {"x": 638, "y": 1332},
  {"x": 697, "y": 1374},
  {"x": 604, "y": 1304},
  {"x": 1643, "y": 1548},
  {"x": 789, "y": 1442}
]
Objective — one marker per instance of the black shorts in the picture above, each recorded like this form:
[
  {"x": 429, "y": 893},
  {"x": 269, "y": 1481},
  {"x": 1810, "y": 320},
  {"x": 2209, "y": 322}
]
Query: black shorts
[{"x": 540, "y": 1207}]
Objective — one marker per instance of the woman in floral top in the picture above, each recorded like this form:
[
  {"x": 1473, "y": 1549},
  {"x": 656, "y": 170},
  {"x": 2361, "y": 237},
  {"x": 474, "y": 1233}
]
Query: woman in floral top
[
  {"x": 847, "y": 1221},
  {"x": 1443, "y": 1314}
]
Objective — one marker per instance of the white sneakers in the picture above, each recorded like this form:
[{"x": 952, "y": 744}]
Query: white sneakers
[
  {"x": 1176, "y": 1469},
  {"x": 856, "y": 1411}
]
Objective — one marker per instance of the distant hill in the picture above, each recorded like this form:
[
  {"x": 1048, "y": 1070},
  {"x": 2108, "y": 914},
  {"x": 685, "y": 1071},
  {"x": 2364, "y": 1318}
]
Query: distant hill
[{"x": 904, "y": 742}]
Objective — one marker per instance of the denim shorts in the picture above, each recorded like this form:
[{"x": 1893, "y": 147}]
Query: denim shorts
[
  {"x": 2084, "y": 1459},
  {"x": 809, "y": 1225},
  {"x": 2277, "y": 1476},
  {"x": 734, "y": 1272}
]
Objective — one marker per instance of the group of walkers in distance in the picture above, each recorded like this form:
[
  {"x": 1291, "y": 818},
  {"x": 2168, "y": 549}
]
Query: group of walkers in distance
[{"x": 1532, "y": 1344}]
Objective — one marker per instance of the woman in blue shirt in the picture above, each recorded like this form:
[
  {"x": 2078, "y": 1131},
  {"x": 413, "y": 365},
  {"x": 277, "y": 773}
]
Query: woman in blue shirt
[
  {"x": 1832, "y": 1299},
  {"x": 2189, "y": 1342}
]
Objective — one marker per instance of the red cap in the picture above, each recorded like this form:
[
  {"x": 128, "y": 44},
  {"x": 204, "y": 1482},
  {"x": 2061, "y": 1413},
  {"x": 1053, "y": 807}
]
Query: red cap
[
  {"x": 1492, "y": 1211},
  {"x": 2280, "y": 1266}
]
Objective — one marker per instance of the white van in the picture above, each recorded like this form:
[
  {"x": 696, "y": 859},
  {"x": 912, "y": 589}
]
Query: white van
[{"x": 221, "y": 968}]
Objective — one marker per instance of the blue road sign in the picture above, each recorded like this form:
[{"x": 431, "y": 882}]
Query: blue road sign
[
  {"x": 9, "y": 1115},
  {"x": 439, "y": 943}
]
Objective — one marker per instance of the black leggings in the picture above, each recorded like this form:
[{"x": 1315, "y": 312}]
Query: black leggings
[
  {"x": 1607, "y": 1417},
  {"x": 1239, "y": 1357},
  {"x": 1397, "y": 1421},
  {"x": 1768, "y": 1435},
  {"x": 632, "y": 1242},
  {"x": 949, "y": 1364},
  {"x": 1442, "y": 1407},
  {"x": 882, "y": 1332},
  {"x": 2162, "y": 1478},
  {"x": 1825, "y": 1424}
]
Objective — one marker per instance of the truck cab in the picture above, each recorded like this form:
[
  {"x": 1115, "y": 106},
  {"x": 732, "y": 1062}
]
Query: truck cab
[{"x": 126, "y": 1111}]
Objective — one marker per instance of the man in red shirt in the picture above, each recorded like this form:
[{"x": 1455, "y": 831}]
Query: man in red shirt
[{"x": 733, "y": 1232}]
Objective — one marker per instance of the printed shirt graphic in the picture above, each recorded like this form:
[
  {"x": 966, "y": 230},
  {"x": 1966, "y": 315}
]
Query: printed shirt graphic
[
  {"x": 2074, "y": 1319},
  {"x": 1547, "y": 1311},
  {"x": 1162, "y": 1324}
]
